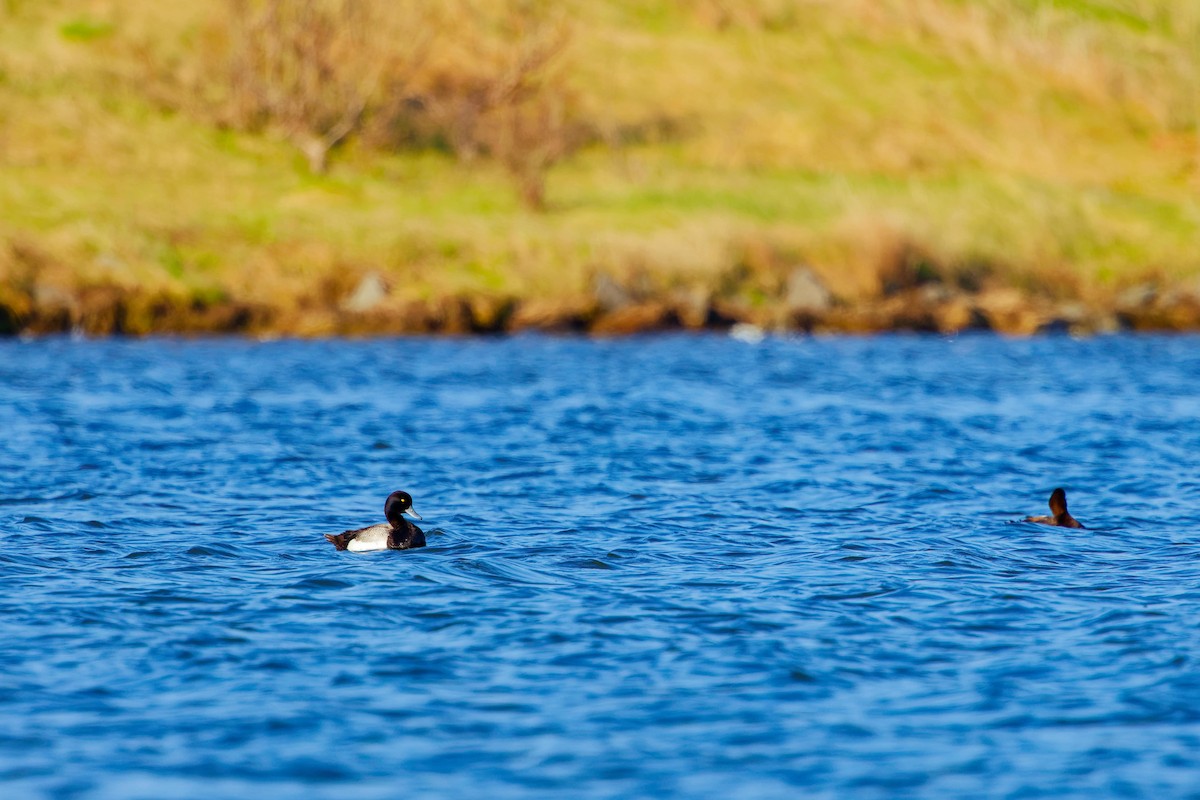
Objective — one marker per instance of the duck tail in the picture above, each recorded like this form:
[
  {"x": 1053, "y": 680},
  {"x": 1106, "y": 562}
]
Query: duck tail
[{"x": 338, "y": 540}]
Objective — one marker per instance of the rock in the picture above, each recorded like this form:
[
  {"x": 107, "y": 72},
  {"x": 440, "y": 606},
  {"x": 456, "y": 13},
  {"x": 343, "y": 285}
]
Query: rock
[
  {"x": 909, "y": 311},
  {"x": 691, "y": 307},
  {"x": 370, "y": 292},
  {"x": 1068, "y": 317},
  {"x": 1143, "y": 294},
  {"x": 1105, "y": 323},
  {"x": 1009, "y": 311},
  {"x": 609, "y": 294},
  {"x": 1182, "y": 314},
  {"x": 1169, "y": 311},
  {"x": 957, "y": 314},
  {"x": 637, "y": 318},
  {"x": 804, "y": 293},
  {"x": 552, "y": 315},
  {"x": 52, "y": 297},
  {"x": 932, "y": 294},
  {"x": 490, "y": 314},
  {"x": 1072, "y": 312}
]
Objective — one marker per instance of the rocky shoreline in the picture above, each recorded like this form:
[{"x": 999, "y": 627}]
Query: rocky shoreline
[{"x": 607, "y": 310}]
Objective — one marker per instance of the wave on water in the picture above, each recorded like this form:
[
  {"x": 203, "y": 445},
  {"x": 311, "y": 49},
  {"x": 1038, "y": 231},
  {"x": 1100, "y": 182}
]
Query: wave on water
[{"x": 674, "y": 566}]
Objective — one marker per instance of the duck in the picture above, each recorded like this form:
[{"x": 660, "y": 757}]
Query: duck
[
  {"x": 1058, "y": 507},
  {"x": 397, "y": 534}
]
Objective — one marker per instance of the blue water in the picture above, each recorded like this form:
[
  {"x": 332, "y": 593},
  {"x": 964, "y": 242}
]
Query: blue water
[{"x": 679, "y": 566}]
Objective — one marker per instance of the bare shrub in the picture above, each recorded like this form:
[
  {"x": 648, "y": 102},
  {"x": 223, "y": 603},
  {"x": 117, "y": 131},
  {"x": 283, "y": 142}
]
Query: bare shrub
[
  {"x": 312, "y": 68},
  {"x": 478, "y": 78},
  {"x": 494, "y": 85}
]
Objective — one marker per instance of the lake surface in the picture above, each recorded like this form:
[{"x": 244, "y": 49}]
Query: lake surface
[{"x": 679, "y": 566}]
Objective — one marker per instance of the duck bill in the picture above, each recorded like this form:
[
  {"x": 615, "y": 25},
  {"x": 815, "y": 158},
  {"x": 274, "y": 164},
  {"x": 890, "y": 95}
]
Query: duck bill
[{"x": 413, "y": 512}]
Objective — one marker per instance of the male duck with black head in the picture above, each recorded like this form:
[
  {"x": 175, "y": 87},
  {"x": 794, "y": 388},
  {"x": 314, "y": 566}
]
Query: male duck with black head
[
  {"x": 1058, "y": 508},
  {"x": 397, "y": 534}
]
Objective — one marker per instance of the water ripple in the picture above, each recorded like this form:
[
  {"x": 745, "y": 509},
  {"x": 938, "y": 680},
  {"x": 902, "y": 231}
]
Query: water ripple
[{"x": 678, "y": 566}]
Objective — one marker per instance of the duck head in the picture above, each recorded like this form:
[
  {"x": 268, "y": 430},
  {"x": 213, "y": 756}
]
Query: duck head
[
  {"x": 1058, "y": 507},
  {"x": 397, "y": 505}
]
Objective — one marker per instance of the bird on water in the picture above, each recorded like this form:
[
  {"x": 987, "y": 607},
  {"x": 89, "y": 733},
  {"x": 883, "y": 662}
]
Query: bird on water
[
  {"x": 1058, "y": 508},
  {"x": 397, "y": 534}
]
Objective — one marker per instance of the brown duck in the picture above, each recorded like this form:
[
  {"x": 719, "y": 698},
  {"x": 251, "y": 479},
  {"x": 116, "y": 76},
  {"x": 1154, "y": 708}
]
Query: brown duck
[{"x": 1058, "y": 508}]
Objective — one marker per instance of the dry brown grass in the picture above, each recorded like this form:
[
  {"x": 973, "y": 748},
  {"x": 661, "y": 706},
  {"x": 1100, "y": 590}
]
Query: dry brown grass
[
  {"x": 309, "y": 67},
  {"x": 495, "y": 85},
  {"x": 477, "y": 78}
]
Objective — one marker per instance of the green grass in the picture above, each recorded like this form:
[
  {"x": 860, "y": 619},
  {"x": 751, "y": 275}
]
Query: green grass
[
  {"x": 1033, "y": 136},
  {"x": 83, "y": 29}
]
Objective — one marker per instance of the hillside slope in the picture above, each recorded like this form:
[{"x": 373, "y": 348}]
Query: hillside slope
[{"x": 1011, "y": 154}]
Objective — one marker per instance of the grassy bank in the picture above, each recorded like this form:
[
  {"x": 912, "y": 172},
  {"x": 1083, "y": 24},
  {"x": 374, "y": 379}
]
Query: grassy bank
[{"x": 1043, "y": 152}]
